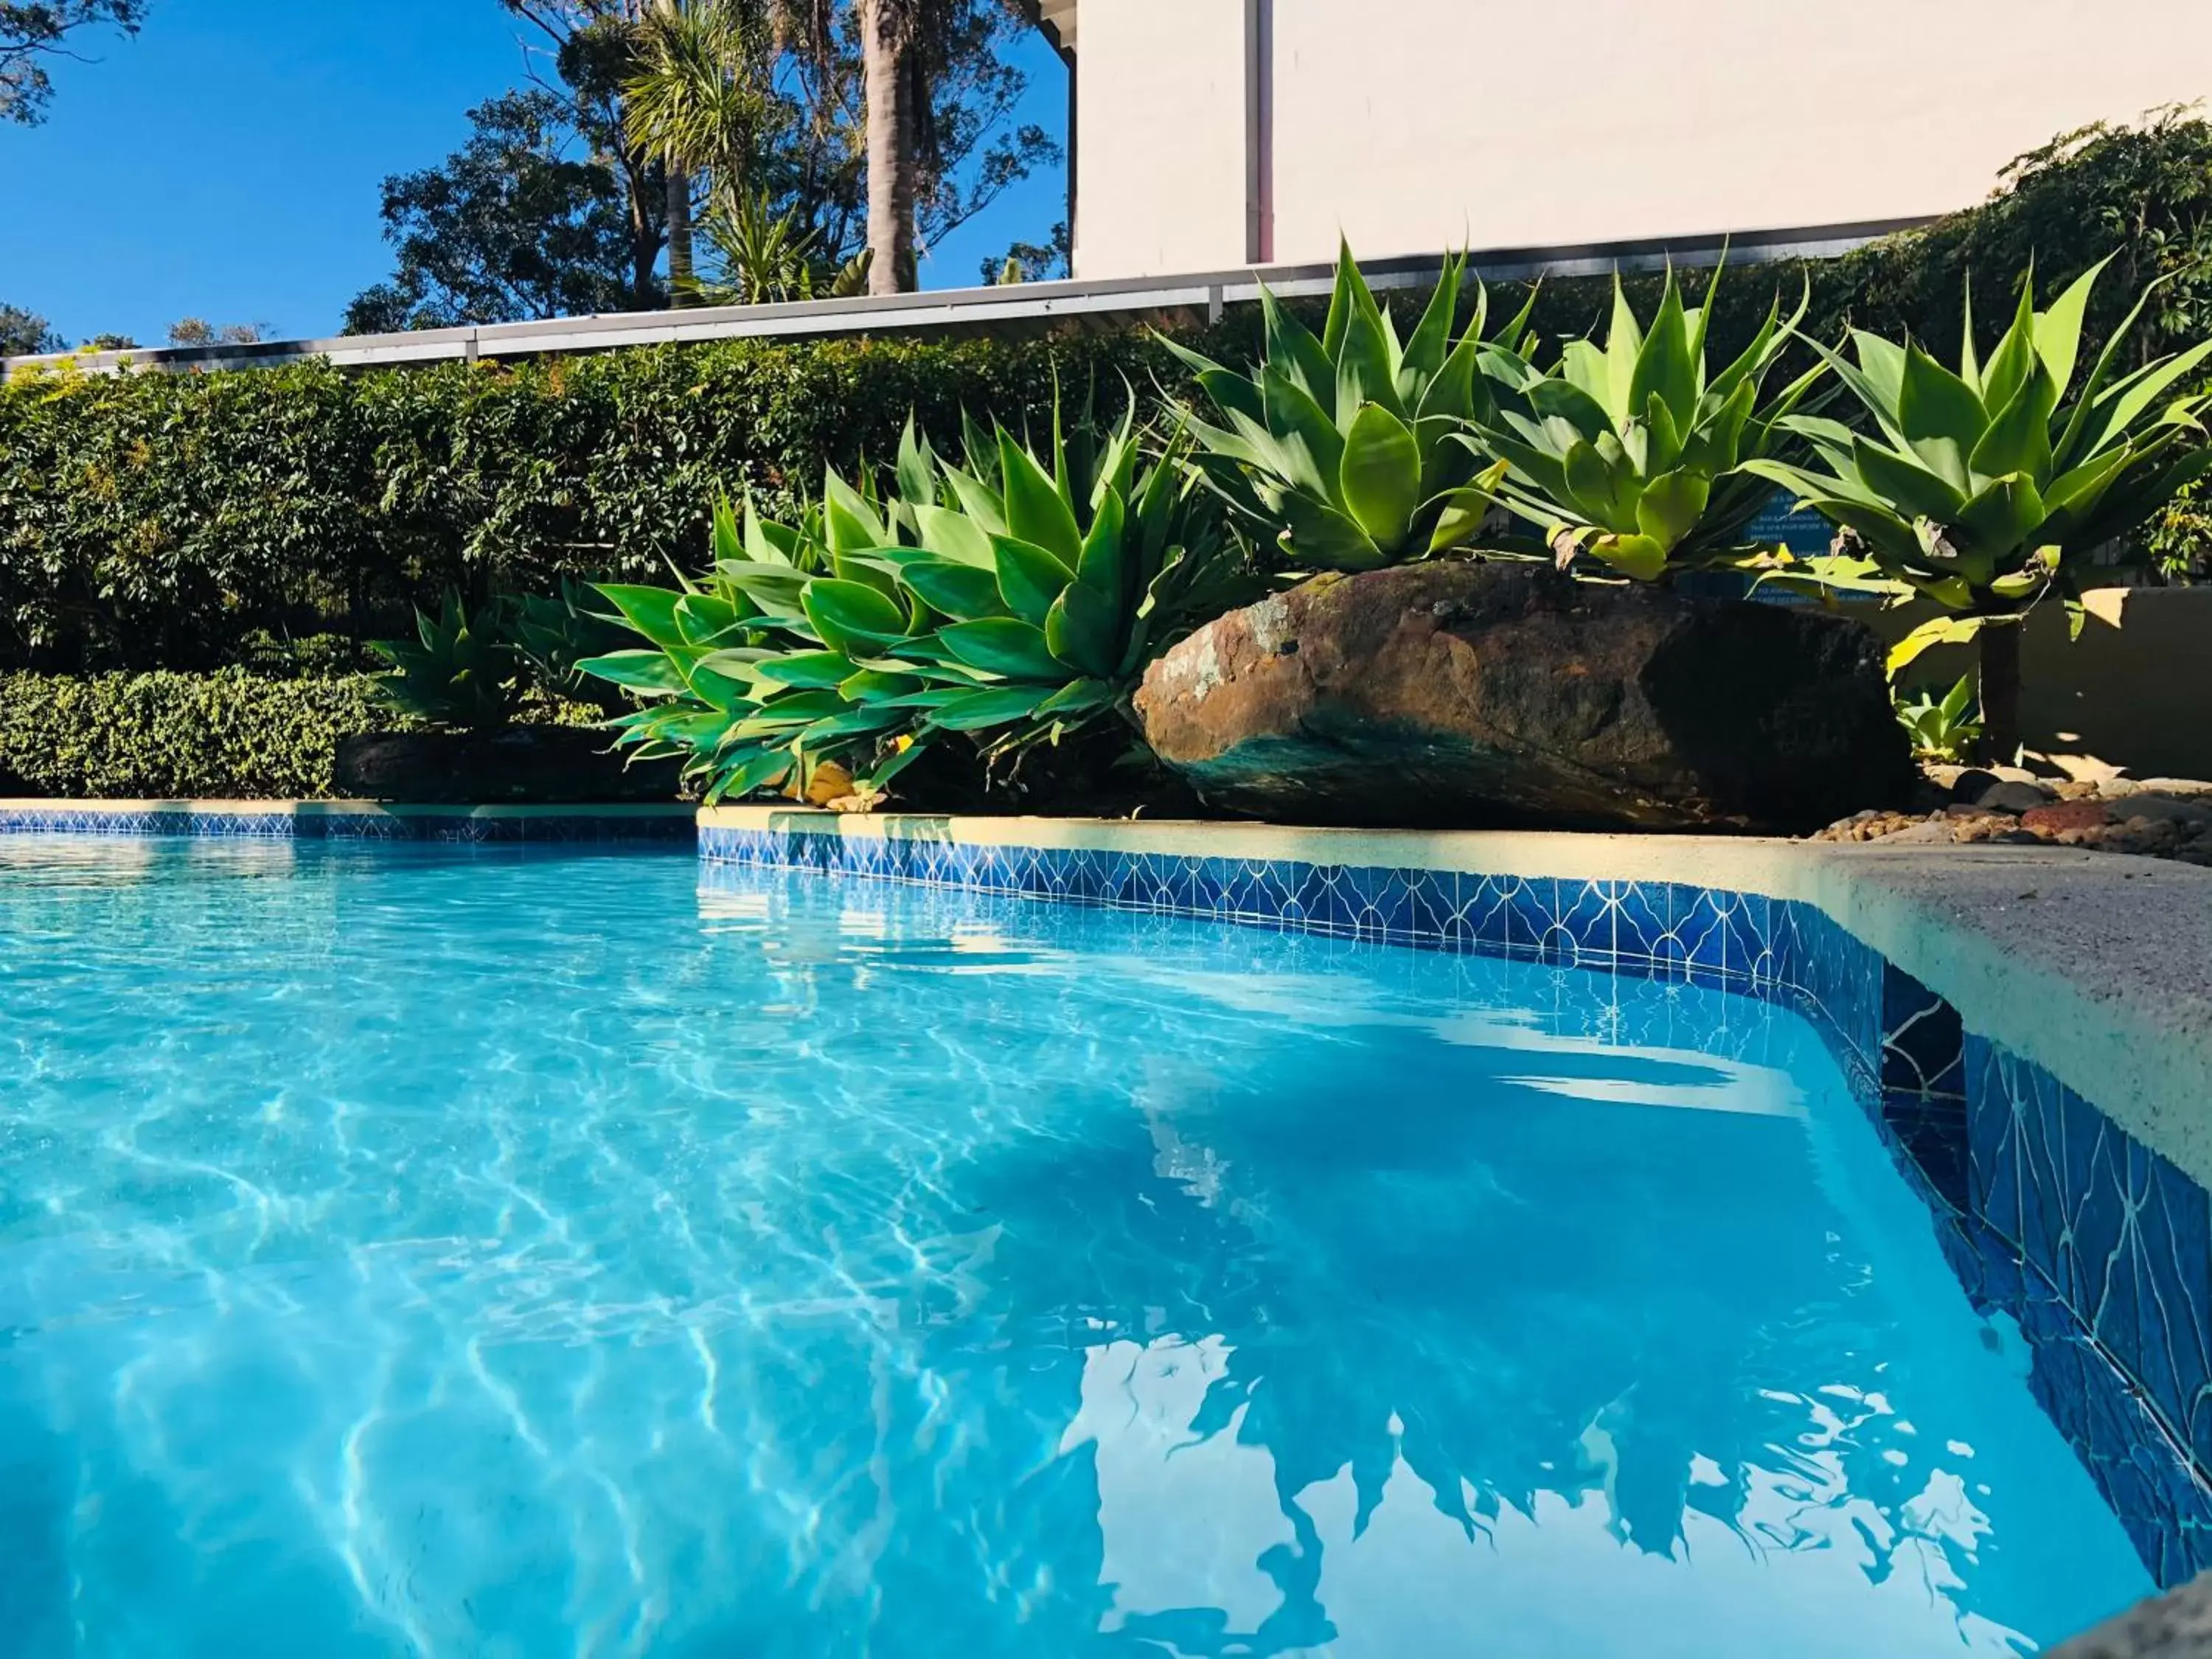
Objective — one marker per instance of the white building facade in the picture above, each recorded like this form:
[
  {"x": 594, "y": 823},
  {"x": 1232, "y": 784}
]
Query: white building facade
[{"x": 1214, "y": 134}]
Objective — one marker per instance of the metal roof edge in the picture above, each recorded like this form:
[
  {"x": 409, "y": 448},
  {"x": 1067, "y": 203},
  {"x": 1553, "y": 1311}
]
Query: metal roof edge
[{"x": 1027, "y": 302}]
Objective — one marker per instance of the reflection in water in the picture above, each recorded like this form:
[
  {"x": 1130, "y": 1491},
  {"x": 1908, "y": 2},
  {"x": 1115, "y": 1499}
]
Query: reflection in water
[{"x": 471, "y": 1253}]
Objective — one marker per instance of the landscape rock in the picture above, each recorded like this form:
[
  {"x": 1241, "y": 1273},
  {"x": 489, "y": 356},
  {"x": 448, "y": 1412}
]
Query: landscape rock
[
  {"x": 2112, "y": 814},
  {"x": 2176, "y": 1625},
  {"x": 1506, "y": 694},
  {"x": 1928, "y": 833},
  {"x": 2013, "y": 797},
  {"x": 2167, "y": 810},
  {"x": 557, "y": 765},
  {"x": 2066, "y": 815}
]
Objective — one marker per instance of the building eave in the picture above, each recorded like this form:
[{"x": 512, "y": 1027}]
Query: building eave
[
  {"x": 1057, "y": 19},
  {"x": 1025, "y": 308}
]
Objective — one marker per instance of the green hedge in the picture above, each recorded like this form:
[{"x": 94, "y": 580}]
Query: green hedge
[
  {"x": 159, "y": 520},
  {"x": 156, "y": 520},
  {"x": 228, "y": 735}
]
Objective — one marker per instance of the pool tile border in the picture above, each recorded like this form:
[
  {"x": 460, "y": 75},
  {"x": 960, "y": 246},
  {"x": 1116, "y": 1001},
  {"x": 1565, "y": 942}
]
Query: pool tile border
[
  {"x": 367, "y": 821},
  {"x": 2096, "y": 1246}
]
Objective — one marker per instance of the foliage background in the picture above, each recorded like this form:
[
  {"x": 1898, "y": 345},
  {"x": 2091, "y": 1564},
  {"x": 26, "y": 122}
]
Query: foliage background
[
  {"x": 167, "y": 521},
  {"x": 232, "y": 734}
]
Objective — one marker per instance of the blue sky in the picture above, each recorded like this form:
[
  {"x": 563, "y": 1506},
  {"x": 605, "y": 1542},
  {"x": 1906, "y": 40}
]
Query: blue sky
[{"x": 225, "y": 164}]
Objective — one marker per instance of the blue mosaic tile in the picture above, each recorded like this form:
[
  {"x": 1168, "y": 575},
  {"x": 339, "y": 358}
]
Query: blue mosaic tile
[
  {"x": 1483, "y": 914},
  {"x": 1584, "y": 911},
  {"x": 1532, "y": 913},
  {"x": 1381, "y": 904},
  {"x": 1744, "y": 920},
  {"x": 1698, "y": 929},
  {"x": 1431, "y": 904},
  {"x": 2142, "y": 1475},
  {"x": 2119, "y": 1235},
  {"x": 582, "y": 826},
  {"x": 1642, "y": 928},
  {"x": 1922, "y": 1046},
  {"x": 1844, "y": 979}
]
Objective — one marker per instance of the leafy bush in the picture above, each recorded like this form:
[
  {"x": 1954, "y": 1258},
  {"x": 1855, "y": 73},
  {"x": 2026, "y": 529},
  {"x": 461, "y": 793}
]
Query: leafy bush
[
  {"x": 1945, "y": 728},
  {"x": 228, "y": 735},
  {"x": 160, "y": 520},
  {"x": 311, "y": 656},
  {"x": 456, "y": 672}
]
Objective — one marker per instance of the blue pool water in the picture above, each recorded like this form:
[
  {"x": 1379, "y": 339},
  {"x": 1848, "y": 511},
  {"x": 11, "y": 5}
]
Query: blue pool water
[{"x": 549, "y": 1255}]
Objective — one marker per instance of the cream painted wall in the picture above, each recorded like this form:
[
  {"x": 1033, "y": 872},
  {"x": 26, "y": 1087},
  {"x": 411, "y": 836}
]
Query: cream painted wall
[
  {"x": 1416, "y": 125},
  {"x": 1160, "y": 161}
]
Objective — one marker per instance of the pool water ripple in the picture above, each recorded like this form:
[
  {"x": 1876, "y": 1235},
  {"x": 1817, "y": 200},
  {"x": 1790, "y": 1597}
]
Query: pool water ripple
[{"x": 448, "y": 1252}]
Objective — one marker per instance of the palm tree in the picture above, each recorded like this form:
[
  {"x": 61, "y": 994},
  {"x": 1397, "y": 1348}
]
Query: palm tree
[
  {"x": 699, "y": 103},
  {"x": 901, "y": 44},
  {"x": 888, "y": 32}
]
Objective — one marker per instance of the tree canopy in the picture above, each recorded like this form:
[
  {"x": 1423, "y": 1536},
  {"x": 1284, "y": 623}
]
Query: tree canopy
[
  {"x": 528, "y": 219},
  {"x": 24, "y": 333},
  {"x": 963, "y": 149},
  {"x": 33, "y": 31},
  {"x": 559, "y": 202}
]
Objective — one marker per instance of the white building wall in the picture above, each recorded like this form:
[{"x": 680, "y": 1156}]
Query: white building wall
[
  {"x": 1412, "y": 125},
  {"x": 1161, "y": 155}
]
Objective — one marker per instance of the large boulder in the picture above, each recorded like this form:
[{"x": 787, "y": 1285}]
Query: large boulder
[
  {"x": 557, "y": 765},
  {"x": 1505, "y": 695}
]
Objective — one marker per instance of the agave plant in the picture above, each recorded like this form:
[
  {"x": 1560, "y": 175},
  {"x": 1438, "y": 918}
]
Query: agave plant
[
  {"x": 1942, "y": 728},
  {"x": 554, "y": 633},
  {"x": 764, "y": 257},
  {"x": 1341, "y": 448},
  {"x": 1630, "y": 453},
  {"x": 1050, "y": 588},
  {"x": 1981, "y": 489},
  {"x": 458, "y": 671},
  {"x": 734, "y": 672},
  {"x": 1011, "y": 599}
]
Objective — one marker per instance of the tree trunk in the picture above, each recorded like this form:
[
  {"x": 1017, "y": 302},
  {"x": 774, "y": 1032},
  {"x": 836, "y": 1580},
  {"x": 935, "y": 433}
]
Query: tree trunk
[
  {"x": 2000, "y": 694},
  {"x": 683, "y": 283},
  {"x": 891, "y": 116},
  {"x": 644, "y": 261},
  {"x": 682, "y": 278}
]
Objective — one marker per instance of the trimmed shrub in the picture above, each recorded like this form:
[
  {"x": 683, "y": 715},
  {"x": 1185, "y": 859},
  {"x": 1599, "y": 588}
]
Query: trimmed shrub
[
  {"x": 229, "y": 735},
  {"x": 162, "y": 520}
]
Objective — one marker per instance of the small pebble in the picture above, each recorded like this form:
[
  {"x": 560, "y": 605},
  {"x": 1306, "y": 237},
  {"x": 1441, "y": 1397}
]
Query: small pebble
[{"x": 2164, "y": 817}]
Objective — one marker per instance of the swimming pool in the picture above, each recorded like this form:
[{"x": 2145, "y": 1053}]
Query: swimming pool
[{"x": 424, "y": 1250}]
